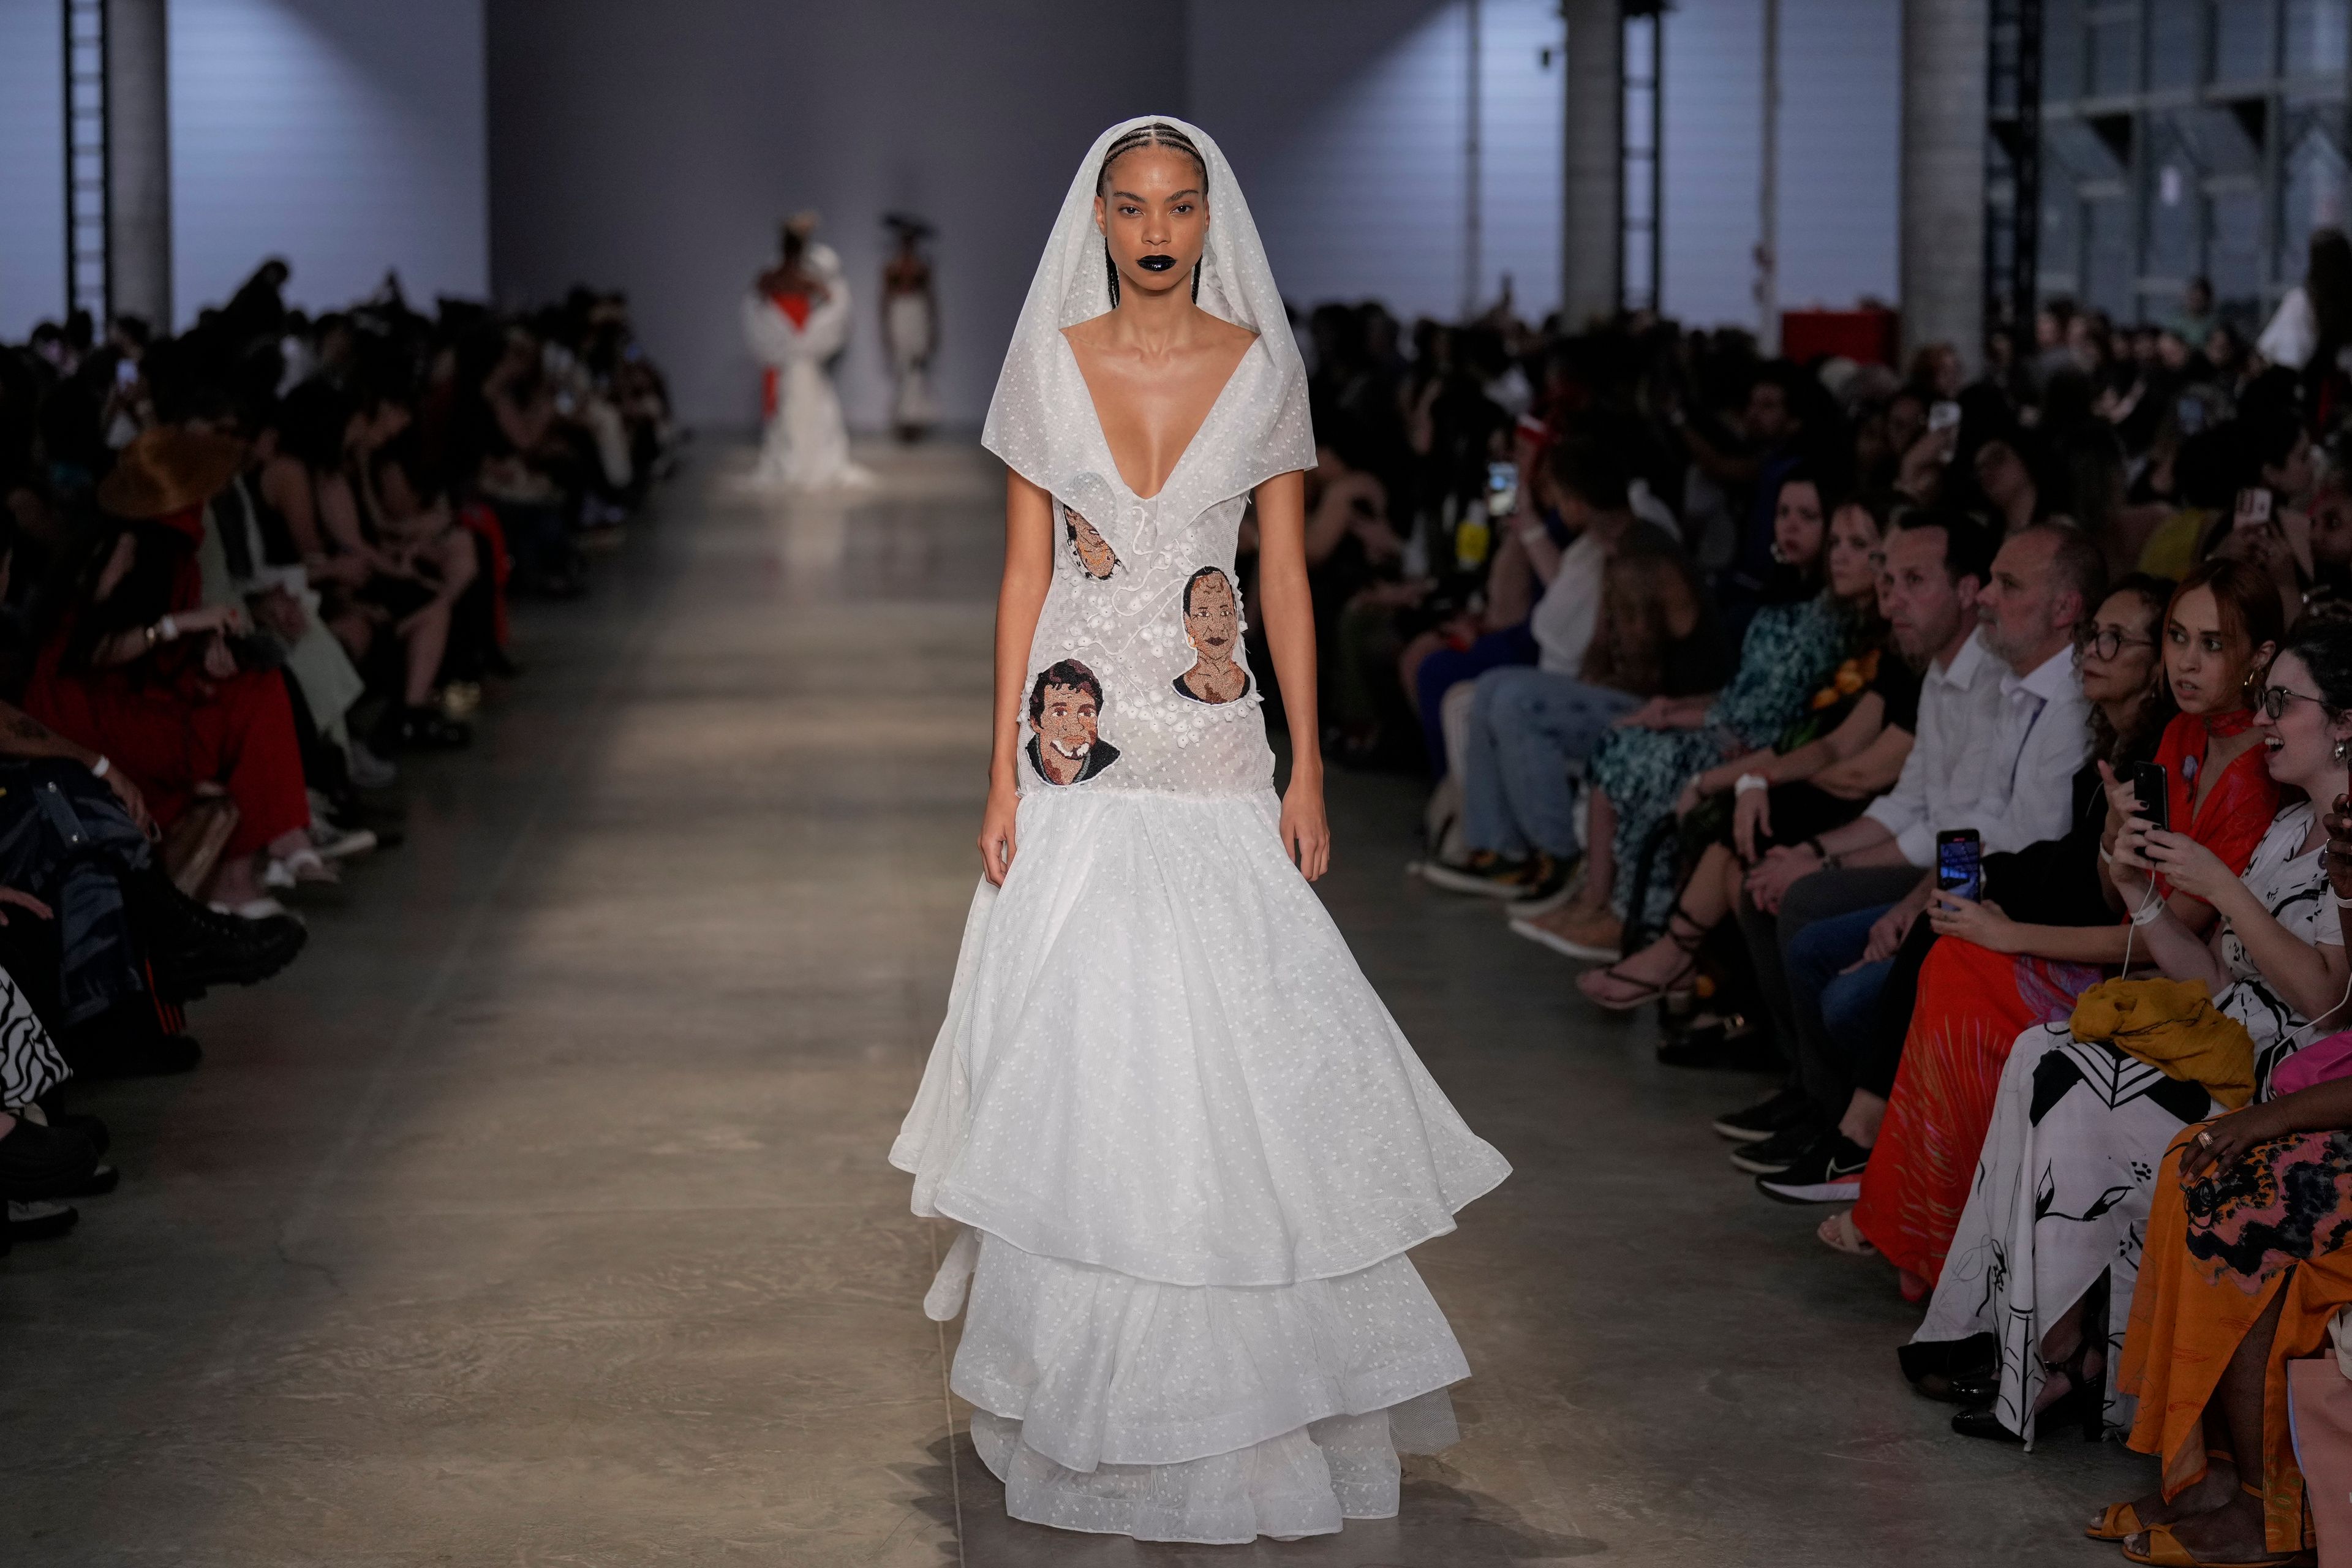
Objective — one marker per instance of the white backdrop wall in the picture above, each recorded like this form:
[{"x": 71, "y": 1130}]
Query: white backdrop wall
[
  {"x": 656, "y": 148},
  {"x": 1348, "y": 121},
  {"x": 32, "y": 165},
  {"x": 347, "y": 138},
  {"x": 1841, "y": 145}
]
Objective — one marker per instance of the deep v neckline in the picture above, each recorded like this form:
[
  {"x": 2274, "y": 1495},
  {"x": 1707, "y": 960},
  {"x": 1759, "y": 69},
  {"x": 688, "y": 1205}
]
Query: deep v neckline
[{"x": 1102, "y": 435}]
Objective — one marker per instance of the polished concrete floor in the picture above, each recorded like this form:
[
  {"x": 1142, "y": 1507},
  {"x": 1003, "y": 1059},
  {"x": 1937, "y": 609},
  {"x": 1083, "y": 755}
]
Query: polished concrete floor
[{"x": 540, "y": 1214}]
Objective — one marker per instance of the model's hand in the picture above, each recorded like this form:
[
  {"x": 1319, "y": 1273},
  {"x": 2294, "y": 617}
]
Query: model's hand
[
  {"x": 996, "y": 832},
  {"x": 1305, "y": 834}
]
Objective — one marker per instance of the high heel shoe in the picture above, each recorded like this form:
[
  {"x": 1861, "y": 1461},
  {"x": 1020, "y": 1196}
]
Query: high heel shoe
[{"x": 2082, "y": 1406}]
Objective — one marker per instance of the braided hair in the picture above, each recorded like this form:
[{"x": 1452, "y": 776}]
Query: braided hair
[{"x": 1158, "y": 133}]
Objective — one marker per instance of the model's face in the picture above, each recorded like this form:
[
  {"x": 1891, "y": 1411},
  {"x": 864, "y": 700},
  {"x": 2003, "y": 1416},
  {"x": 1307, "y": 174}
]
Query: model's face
[
  {"x": 1854, "y": 552},
  {"x": 1067, "y": 720},
  {"x": 1154, "y": 215},
  {"x": 1212, "y": 620}
]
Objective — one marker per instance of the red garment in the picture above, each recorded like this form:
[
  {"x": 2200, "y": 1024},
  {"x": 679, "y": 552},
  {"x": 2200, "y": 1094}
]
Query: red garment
[
  {"x": 795, "y": 305},
  {"x": 172, "y": 728},
  {"x": 1974, "y": 1003},
  {"x": 483, "y": 520}
]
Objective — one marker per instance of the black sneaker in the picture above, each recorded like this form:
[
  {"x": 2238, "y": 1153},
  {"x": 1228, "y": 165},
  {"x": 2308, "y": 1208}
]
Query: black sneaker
[
  {"x": 1721, "y": 1047},
  {"x": 1789, "y": 1108},
  {"x": 1777, "y": 1153},
  {"x": 1830, "y": 1173}
]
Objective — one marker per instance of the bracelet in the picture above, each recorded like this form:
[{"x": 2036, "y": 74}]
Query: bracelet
[
  {"x": 101, "y": 768},
  {"x": 1751, "y": 781},
  {"x": 2106, "y": 858},
  {"x": 1829, "y": 861},
  {"x": 2149, "y": 913},
  {"x": 2341, "y": 901}
]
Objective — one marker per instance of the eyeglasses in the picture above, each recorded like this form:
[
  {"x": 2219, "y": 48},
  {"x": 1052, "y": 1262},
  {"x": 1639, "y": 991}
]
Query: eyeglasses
[
  {"x": 2274, "y": 699},
  {"x": 2105, "y": 641}
]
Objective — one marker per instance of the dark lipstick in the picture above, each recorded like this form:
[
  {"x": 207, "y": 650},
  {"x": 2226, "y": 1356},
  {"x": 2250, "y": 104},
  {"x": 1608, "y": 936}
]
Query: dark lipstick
[{"x": 1156, "y": 263}]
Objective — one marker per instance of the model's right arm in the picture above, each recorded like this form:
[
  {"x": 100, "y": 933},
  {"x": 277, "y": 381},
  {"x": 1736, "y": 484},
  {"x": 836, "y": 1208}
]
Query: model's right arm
[{"x": 1028, "y": 572}]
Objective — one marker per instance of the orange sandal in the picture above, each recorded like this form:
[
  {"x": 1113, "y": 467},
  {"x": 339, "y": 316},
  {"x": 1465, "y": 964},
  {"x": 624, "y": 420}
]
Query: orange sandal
[{"x": 2118, "y": 1522}]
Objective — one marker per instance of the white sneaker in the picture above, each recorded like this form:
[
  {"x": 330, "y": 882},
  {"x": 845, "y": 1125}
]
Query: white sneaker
[
  {"x": 334, "y": 843},
  {"x": 303, "y": 865}
]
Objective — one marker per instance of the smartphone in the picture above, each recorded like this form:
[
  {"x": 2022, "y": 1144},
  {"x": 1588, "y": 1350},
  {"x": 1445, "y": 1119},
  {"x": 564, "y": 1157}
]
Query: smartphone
[
  {"x": 2189, "y": 413},
  {"x": 125, "y": 372},
  {"x": 1944, "y": 419},
  {"x": 1959, "y": 863},
  {"x": 1502, "y": 488},
  {"x": 2152, "y": 790},
  {"x": 2253, "y": 506}
]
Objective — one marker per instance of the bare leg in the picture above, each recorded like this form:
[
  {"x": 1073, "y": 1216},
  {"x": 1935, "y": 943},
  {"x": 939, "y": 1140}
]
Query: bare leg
[
  {"x": 428, "y": 639},
  {"x": 1864, "y": 1112},
  {"x": 1409, "y": 662},
  {"x": 2225, "y": 1524},
  {"x": 1701, "y": 909},
  {"x": 236, "y": 881}
]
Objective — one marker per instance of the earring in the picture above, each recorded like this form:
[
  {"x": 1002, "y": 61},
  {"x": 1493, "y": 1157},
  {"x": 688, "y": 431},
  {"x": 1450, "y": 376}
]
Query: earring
[
  {"x": 1111, "y": 268},
  {"x": 2343, "y": 749},
  {"x": 1196, "y": 282}
]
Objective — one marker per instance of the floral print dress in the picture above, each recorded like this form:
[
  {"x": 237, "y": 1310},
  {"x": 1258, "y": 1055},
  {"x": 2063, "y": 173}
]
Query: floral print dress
[{"x": 1788, "y": 651}]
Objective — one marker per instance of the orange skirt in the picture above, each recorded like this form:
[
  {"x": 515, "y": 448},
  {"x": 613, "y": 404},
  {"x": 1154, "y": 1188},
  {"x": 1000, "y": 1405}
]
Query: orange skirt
[{"x": 2188, "y": 1319}]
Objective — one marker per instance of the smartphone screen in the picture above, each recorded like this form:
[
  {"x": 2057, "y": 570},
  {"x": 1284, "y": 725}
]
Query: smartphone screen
[
  {"x": 1959, "y": 863},
  {"x": 1502, "y": 488},
  {"x": 2190, "y": 414}
]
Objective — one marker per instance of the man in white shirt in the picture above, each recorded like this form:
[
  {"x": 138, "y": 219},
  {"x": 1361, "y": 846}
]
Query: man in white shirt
[{"x": 2003, "y": 726}]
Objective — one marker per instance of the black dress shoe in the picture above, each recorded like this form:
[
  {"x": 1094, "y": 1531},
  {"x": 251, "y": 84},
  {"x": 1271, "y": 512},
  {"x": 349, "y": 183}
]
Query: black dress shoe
[
  {"x": 38, "y": 1161},
  {"x": 2082, "y": 1406}
]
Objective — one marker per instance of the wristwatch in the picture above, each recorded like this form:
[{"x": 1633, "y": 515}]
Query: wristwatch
[{"x": 1829, "y": 861}]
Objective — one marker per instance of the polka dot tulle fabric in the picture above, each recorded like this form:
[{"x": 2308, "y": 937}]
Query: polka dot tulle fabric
[{"x": 1187, "y": 1145}]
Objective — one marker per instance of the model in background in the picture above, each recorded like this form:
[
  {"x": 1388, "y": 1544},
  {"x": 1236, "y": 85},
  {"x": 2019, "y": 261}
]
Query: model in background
[
  {"x": 1188, "y": 1147},
  {"x": 796, "y": 318},
  {"x": 910, "y": 329}
]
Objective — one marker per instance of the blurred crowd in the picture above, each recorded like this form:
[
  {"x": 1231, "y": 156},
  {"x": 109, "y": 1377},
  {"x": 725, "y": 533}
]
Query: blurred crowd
[
  {"x": 1964, "y": 745},
  {"x": 248, "y": 575}
]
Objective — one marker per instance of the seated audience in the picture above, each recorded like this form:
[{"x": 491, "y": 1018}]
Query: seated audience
[
  {"x": 2034, "y": 1296},
  {"x": 1993, "y": 972}
]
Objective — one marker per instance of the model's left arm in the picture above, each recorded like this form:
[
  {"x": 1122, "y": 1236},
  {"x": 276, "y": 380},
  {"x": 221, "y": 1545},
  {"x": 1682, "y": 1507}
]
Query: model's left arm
[{"x": 1289, "y": 610}]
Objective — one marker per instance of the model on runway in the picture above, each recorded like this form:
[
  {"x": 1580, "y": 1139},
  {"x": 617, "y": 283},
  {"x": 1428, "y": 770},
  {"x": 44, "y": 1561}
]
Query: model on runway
[
  {"x": 796, "y": 319},
  {"x": 1188, "y": 1146}
]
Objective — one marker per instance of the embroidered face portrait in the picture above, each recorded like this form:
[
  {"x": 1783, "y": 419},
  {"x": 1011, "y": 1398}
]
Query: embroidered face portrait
[
  {"x": 1213, "y": 625},
  {"x": 1064, "y": 714},
  {"x": 1096, "y": 558}
]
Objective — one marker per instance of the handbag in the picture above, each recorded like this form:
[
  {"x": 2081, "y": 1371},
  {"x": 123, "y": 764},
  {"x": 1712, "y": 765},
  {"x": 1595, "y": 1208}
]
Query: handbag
[{"x": 2322, "y": 1061}]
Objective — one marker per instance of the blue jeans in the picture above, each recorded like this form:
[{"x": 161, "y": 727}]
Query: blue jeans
[
  {"x": 1841, "y": 1006},
  {"x": 1450, "y": 666},
  {"x": 1525, "y": 727}
]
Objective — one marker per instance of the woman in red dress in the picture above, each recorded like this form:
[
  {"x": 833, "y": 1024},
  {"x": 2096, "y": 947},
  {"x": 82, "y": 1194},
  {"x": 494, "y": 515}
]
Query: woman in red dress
[
  {"x": 140, "y": 670},
  {"x": 1990, "y": 976}
]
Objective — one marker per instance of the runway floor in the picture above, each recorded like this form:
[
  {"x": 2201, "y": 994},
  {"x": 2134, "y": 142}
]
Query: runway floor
[{"x": 540, "y": 1214}]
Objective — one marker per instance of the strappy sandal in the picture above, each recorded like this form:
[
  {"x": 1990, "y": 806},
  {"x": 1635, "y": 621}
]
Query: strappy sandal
[
  {"x": 1839, "y": 1234},
  {"x": 1645, "y": 992},
  {"x": 2165, "y": 1550}
]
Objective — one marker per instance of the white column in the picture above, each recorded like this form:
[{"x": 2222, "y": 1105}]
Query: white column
[
  {"x": 138, "y": 163},
  {"x": 1591, "y": 248},
  {"x": 1945, "y": 59}
]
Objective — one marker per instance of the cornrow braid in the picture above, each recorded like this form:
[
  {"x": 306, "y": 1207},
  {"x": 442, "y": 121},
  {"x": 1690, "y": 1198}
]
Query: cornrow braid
[{"x": 1158, "y": 133}]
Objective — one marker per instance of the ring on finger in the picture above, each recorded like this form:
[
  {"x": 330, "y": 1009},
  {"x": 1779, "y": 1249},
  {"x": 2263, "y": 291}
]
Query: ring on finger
[{"x": 2204, "y": 1140}]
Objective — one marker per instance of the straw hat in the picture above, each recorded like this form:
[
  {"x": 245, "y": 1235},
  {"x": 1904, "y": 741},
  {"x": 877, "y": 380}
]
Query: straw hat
[{"x": 170, "y": 470}]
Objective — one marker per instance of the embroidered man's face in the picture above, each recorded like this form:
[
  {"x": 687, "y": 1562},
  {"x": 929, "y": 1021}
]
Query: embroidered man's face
[
  {"x": 1066, "y": 722},
  {"x": 1094, "y": 552},
  {"x": 1211, "y": 619}
]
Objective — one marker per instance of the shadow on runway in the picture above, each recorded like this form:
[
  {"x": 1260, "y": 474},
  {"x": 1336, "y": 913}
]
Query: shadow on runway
[{"x": 1438, "y": 1526}]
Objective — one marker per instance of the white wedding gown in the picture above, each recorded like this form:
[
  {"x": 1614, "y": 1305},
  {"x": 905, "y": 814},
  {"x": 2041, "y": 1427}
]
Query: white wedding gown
[
  {"x": 806, "y": 444},
  {"x": 1188, "y": 1145}
]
